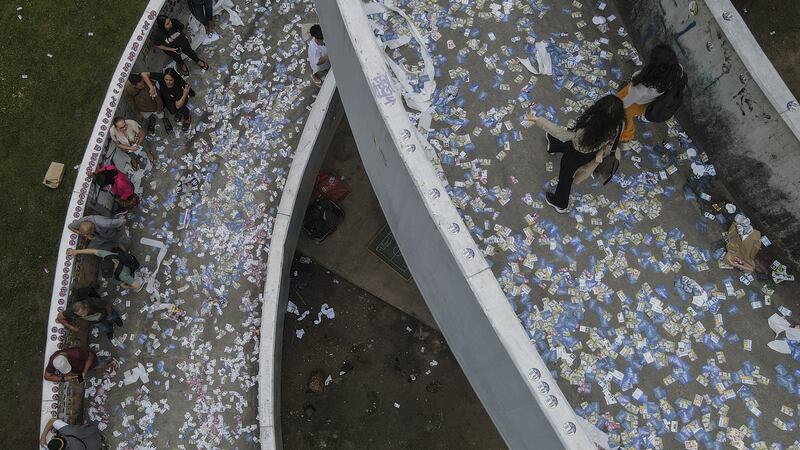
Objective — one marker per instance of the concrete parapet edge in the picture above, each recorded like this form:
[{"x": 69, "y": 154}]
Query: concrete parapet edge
[
  {"x": 321, "y": 125},
  {"x": 80, "y": 196},
  {"x": 756, "y": 62},
  {"x": 736, "y": 109},
  {"x": 488, "y": 340}
]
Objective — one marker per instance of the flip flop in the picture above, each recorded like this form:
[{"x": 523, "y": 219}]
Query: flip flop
[
  {"x": 203, "y": 65},
  {"x": 186, "y": 124},
  {"x": 184, "y": 69}
]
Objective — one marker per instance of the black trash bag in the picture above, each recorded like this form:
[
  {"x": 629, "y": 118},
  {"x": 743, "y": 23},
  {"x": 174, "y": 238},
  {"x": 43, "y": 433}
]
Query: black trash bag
[{"x": 322, "y": 218}]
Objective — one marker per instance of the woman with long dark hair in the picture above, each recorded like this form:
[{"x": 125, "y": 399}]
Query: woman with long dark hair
[
  {"x": 170, "y": 36},
  {"x": 662, "y": 73},
  {"x": 582, "y": 147},
  {"x": 175, "y": 93}
]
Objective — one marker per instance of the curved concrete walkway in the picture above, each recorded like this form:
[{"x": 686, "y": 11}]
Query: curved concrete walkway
[{"x": 596, "y": 290}]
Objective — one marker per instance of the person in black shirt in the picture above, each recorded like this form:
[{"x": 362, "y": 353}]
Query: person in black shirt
[
  {"x": 175, "y": 93},
  {"x": 170, "y": 36}
]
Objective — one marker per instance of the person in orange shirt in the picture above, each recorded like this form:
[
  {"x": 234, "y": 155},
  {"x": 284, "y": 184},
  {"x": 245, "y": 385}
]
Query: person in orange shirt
[{"x": 661, "y": 73}]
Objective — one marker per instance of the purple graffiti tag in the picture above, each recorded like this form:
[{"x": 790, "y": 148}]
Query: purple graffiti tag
[{"x": 384, "y": 89}]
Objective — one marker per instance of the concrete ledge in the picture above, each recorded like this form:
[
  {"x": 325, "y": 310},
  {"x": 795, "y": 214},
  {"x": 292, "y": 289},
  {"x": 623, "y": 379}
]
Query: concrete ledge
[
  {"x": 318, "y": 132},
  {"x": 737, "y": 108},
  {"x": 65, "y": 266},
  {"x": 756, "y": 62},
  {"x": 488, "y": 340}
]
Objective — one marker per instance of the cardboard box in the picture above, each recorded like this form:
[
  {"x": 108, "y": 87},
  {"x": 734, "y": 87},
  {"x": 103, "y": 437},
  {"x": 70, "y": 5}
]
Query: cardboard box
[{"x": 54, "y": 175}]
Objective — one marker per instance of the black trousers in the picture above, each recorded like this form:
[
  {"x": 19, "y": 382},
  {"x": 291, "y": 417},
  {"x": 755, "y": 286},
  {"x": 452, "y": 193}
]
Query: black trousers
[
  {"x": 571, "y": 161},
  {"x": 202, "y": 10},
  {"x": 183, "y": 44},
  {"x": 179, "y": 113}
]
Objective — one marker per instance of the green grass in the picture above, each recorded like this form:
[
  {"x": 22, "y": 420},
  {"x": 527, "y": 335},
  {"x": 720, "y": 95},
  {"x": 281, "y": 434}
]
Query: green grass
[{"x": 46, "y": 117}]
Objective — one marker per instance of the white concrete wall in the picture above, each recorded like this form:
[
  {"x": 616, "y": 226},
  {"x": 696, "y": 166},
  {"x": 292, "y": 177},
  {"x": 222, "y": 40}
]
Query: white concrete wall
[
  {"x": 80, "y": 196},
  {"x": 738, "y": 107},
  {"x": 321, "y": 125},
  {"x": 486, "y": 337}
]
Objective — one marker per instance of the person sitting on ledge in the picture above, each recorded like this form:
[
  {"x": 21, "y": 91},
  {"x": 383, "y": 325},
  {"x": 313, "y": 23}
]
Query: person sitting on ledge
[
  {"x": 120, "y": 266},
  {"x": 89, "y": 307},
  {"x": 128, "y": 135},
  {"x": 175, "y": 92},
  {"x": 170, "y": 36},
  {"x": 101, "y": 231},
  {"x": 143, "y": 94},
  {"x": 74, "y": 364},
  {"x": 68, "y": 437}
]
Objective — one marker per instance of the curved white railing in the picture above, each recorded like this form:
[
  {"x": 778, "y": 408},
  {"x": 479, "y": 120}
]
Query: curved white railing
[
  {"x": 322, "y": 122},
  {"x": 505, "y": 370},
  {"x": 77, "y": 204}
]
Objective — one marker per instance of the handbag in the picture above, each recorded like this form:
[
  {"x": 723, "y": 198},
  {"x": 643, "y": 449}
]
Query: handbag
[{"x": 609, "y": 165}]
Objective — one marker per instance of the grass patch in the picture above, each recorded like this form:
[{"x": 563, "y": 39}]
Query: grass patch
[{"x": 46, "y": 117}]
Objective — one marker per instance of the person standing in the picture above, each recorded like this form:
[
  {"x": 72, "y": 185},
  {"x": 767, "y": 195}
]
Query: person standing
[
  {"x": 203, "y": 11},
  {"x": 170, "y": 36},
  {"x": 661, "y": 74},
  {"x": 318, "y": 55},
  {"x": 143, "y": 95},
  {"x": 175, "y": 93},
  {"x": 595, "y": 131}
]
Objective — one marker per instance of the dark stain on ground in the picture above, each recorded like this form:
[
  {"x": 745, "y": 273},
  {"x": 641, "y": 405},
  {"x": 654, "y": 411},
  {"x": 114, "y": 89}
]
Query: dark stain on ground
[{"x": 376, "y": 357}]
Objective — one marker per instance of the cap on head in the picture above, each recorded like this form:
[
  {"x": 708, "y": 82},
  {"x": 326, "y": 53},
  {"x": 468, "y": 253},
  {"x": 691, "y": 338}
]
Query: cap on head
[
  {"x": 61, "y": 363},
  {"x": 57, "y": 443}
]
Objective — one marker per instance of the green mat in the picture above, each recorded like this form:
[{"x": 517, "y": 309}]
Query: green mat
[{"x": 385, "y": 247}]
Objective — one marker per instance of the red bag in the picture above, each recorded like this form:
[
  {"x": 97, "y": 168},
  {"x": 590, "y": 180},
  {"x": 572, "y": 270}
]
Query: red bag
[{"x": 331, "y": 187}]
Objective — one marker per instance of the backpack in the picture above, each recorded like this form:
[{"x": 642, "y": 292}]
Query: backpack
[
  {"x": 321, "y": 219},
  {"x": 125, "y": 260},
  {"x": 666, "y": 105}
]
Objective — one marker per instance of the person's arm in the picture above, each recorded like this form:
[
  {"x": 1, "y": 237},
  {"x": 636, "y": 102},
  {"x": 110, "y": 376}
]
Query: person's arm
[
  {"x": 83, "y": 251},
  {"x": 88, "y": 365},
  {"x": 167, "y": 49},
  {"x": 62, "y": 319},
  {"x": 149, "y": 83},
  {"x": 182, "y": 101},
  {"x": 140, "y": 137},
  {"x": 57, "y": 378},
  {"x": 125, "y": 147},
  {"x": 322, "y": 59},
  {"x": 558, "y": 132},
  {"x": 46, "y": 431}
]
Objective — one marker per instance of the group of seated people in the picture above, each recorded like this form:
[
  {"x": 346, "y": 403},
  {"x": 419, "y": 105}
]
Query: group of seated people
[{"x": 107, "y": 238}]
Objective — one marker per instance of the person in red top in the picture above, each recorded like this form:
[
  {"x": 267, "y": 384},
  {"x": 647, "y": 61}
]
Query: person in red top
[{"x": 74, "y": 363}]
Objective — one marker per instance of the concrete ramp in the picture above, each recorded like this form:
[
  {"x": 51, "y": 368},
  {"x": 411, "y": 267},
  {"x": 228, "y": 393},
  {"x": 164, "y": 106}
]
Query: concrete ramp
[{"x": 505, "y": 370}]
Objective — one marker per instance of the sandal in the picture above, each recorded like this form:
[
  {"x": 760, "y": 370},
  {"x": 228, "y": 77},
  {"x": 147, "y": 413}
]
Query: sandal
[
  {"x": 184, "y": 69},
  {"x": 203, "y": 65},
  {"x": 167, "y": 125},
  {"x": 186, "y": 124}
]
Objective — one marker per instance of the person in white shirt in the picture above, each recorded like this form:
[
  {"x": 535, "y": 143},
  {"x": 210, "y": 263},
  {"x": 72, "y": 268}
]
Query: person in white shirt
[
  {"x": 129, "y": 136},
  {"x": 318, "y": 55},
  {"x": 658, "y": 76}
]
